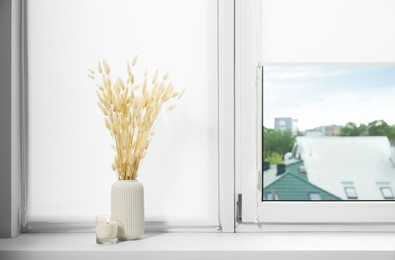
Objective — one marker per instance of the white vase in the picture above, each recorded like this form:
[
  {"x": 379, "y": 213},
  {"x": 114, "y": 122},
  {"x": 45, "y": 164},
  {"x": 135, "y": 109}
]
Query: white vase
[{"x": 127, "y": 205}]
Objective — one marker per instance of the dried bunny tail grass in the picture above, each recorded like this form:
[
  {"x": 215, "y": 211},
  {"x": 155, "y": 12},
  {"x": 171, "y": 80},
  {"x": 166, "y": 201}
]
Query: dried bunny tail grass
[
  {"x": 166, "y": 75},
  {"x": 181, "y": 94},
  {"x": 155, "y": 77},
  {"x": 134, "y": 60},
  {"x": 131, "y": 111},
  {"x": 91, "y": 74},
  {"x": 106, "y": 67}
]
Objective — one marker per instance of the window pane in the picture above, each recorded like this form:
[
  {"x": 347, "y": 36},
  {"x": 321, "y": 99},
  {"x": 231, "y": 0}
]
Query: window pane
[
  {"x": 70, "y": 153},
  {"x": 329, "y": 130},
  {"x": 351, "y": 193},
  {"x": 272, "y": 196},
  {"x": 387, "y": 193},
  {"x": 315, "y": 196}
]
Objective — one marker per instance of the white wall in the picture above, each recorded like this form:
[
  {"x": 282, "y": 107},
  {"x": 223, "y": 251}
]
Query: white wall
[
  {"x": 5, "y": 117},
  {"x": 10, "y": 138},
  {"x": 16, "y": 138}
]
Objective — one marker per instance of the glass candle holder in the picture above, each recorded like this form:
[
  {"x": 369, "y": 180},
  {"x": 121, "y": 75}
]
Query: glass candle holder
[{"x": 106, "y": 230}]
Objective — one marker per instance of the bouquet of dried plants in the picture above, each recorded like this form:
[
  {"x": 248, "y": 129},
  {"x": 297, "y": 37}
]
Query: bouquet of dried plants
[{"x": 130, "y": 112}]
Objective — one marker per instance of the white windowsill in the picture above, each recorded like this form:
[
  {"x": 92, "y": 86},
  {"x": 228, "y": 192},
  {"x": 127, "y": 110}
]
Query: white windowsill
[{"x": 204, "y": 246}]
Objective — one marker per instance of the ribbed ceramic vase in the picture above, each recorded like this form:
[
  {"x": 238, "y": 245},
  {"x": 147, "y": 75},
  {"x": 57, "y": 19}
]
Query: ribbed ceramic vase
[{"x": 127, "y": 205}]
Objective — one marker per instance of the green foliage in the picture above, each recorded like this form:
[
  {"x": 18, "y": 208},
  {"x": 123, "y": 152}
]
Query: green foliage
[
  {"x": 375, "y": 128},
  {"x": 351, "y": 129},
  {"x": 276, "y": 142},
  {"x": 275, "y": 158}
]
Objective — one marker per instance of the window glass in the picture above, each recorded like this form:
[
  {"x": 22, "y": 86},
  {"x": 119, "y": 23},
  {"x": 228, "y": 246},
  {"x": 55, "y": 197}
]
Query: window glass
[
  {"x": 351, "y": 193},
  {"x": 387, "y": 193},
  {"x": 272, "y": 196},
  {"x": 70, "y": 155},
  {"x": 314, "y": 196},
  {"x": 326, "y": 127}
]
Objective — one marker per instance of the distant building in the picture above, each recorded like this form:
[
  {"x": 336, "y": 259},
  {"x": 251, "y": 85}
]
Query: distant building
[
  {"x": 286, "y": 124},
  {"x": 329, "y": 130},
  {"x": 332, "y": 130}
]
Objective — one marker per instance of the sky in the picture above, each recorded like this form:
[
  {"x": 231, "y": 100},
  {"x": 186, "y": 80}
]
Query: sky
[{"x": 325, "y": 95}]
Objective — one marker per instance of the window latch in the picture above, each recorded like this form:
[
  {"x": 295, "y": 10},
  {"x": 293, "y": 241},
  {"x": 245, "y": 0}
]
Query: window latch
[{"x": 239, "y": 207}]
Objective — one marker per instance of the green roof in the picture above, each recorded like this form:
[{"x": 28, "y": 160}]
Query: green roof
[{"x": 293, "y": 185}]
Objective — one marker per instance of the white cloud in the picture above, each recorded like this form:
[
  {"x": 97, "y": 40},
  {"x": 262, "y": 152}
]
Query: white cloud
[
  {"x": 319, "y": 96},
  {"x": 345, "y": 106}
]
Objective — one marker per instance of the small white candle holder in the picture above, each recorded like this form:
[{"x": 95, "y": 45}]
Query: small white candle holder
[{"x": 106, "y": 230}]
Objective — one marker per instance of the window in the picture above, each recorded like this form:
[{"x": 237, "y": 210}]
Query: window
[
  {"x": 314, "y": 196},
  {"x": 309, "y": 37},
  {"x": 352, "y": 39},
  {"x": 272, "y": 196},
  {"x": 351, "y": 193},
  {"x": 333, "y": 147},
  {"x": 387, "y": 193},
  {"x": 70, "y": 156}
]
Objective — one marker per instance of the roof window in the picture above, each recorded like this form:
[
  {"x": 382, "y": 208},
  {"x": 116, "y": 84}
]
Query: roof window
[
  {"x": 315, "y": 196},
  {"x": 351, "y": 193},
  {"x": 387, "y": 193}
]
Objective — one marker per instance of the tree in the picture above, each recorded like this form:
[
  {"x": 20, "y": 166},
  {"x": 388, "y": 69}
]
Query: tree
[
  {"x": 380, "y": 128},
  {"x": 277, "y": 143},
  {"x": 374, "y": 128},
  {"x": 351, "y": 129},
  {"x": 274, "y": 158}
]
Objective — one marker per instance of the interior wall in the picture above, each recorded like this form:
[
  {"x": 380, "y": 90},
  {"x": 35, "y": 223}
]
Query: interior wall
[
  {"x": 10, "y": 138},
  {"x": 5, "y": 118}
]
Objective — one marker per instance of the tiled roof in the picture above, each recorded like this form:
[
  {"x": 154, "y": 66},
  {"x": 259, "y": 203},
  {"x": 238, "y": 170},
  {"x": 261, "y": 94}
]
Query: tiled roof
[{"x": 292, "y": 185}]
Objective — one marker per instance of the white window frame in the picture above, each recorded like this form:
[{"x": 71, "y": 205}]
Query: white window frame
[
  {"x": 256, "y": 215},
  {"x": 239, "y": 169},
  {"x": 226, "y": 172}
]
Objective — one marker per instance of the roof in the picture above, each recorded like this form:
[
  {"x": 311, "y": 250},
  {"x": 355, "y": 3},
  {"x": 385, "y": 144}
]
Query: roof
[
  {"x": 292, "y": 185},
  {"x": 271, "y": 174},
  {"x": 363, "y": 162}
]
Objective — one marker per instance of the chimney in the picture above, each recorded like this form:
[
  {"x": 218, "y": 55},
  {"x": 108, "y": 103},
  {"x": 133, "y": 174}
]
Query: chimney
[
  {"x": 266, "y": 165},
  {"x": 280, "y": 168}
]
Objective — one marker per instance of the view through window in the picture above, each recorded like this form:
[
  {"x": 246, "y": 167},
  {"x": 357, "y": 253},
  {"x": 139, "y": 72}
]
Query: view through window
[{"x": 328, "y": 133}]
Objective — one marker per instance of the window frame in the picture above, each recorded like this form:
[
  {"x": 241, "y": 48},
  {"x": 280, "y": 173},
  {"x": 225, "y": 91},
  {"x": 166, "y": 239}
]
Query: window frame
[
  {"x": 238, "y": 68},
  {"x": 226, "y": 88},
  {"x": 256, "y": 215}
]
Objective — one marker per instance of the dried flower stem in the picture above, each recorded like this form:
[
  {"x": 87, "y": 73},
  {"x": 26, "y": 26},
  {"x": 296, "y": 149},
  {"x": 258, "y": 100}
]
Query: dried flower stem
[{"x": 130, "y": 112}]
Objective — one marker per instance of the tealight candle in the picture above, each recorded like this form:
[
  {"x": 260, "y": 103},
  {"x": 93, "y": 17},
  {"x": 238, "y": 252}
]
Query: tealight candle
[{"x": 106, "y": 230}]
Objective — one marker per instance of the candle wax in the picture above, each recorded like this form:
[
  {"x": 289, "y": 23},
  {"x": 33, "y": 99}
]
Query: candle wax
[{"x": 106, "y": 229}]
